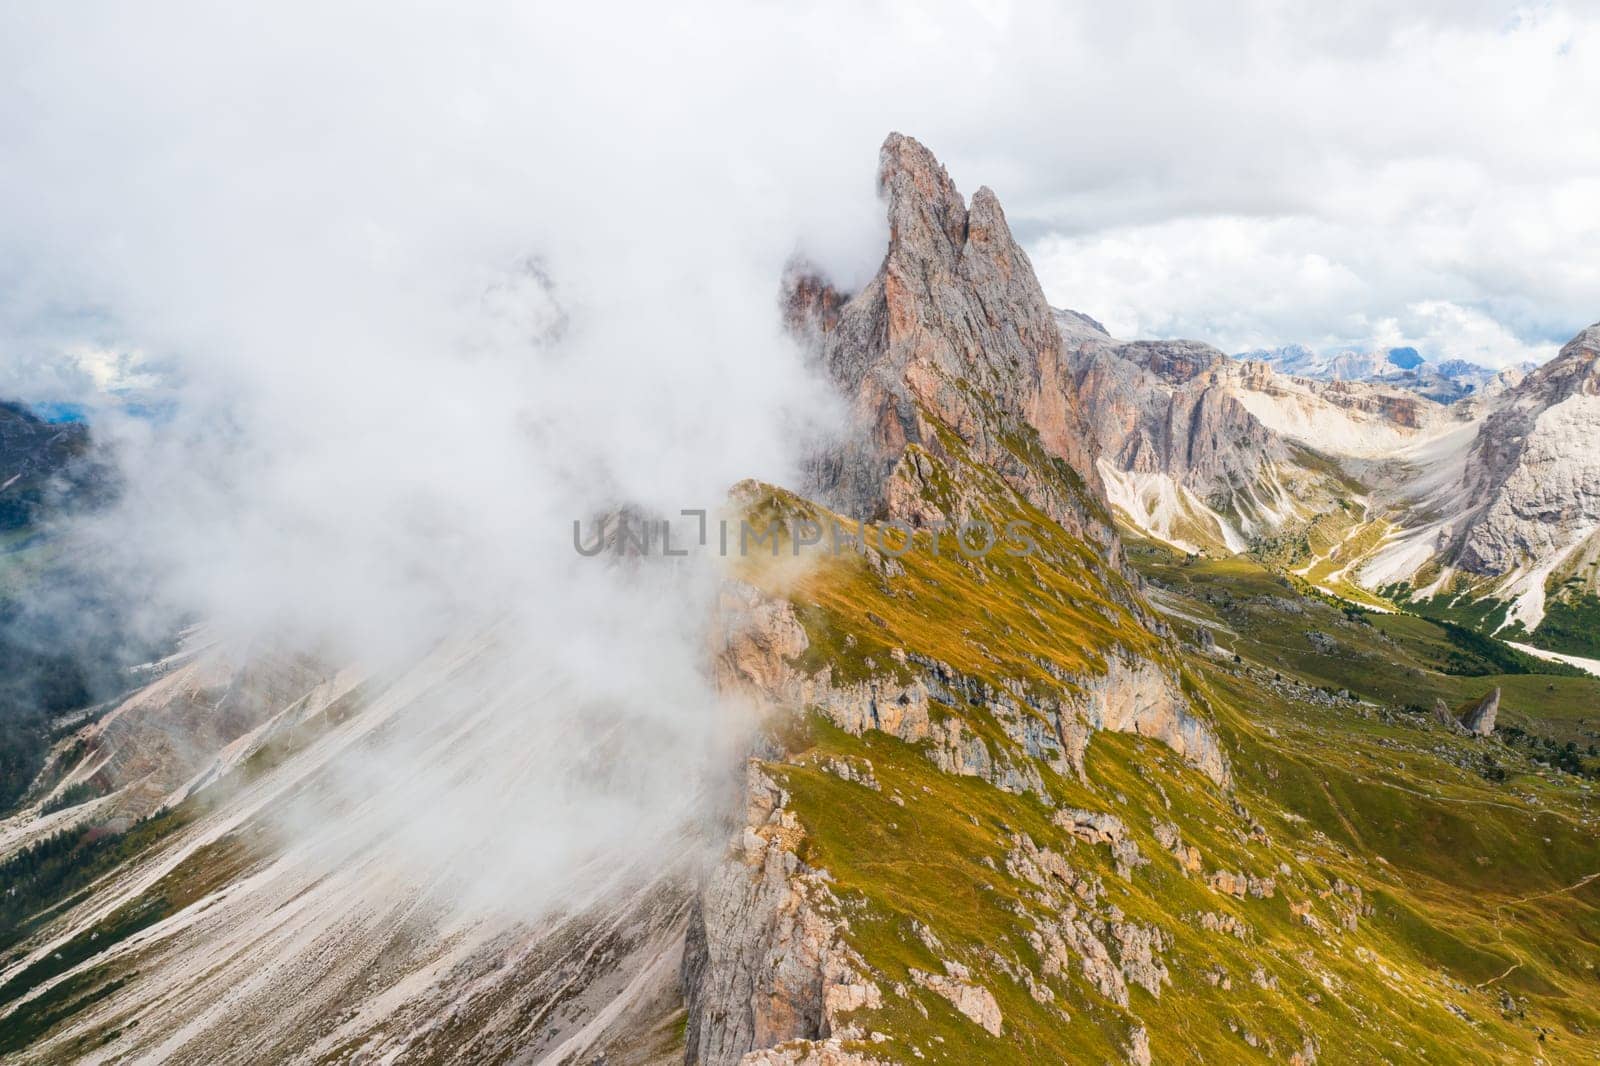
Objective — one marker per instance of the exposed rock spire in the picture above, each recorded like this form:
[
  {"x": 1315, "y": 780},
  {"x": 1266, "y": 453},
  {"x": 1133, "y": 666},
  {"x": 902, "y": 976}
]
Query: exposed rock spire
[{"x": 953, "y": 331}]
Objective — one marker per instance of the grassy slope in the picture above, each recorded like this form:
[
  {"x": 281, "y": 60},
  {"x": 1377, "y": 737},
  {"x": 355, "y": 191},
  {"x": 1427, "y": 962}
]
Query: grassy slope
[
  {"x": 1398, "y": 660},
  {"x": 1571, "y": 622},
  {"x": 1477, "y": 888}
]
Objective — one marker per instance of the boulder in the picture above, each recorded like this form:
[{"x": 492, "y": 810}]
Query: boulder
[{"x": 1480, "y": 720}]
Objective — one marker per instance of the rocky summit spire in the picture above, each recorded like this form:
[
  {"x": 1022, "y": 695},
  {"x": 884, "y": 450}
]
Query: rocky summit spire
[
  {"x": 953, "y": 334},
  {"x": 924, "y": 206}
]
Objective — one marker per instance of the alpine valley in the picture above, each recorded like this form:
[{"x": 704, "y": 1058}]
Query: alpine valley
[{"x": 1281, "y": 747}]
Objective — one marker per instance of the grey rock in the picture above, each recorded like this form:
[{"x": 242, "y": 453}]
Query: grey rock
[
  {"x": 1446, "y": 717},
  {"x": 1480, "y": 720},
  {"x": 764, "y": 961}
]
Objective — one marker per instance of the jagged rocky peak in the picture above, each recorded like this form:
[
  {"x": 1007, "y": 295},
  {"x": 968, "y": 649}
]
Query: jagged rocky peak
[
  {"x": 922, "y": 199},
  {"x": 954, "y": 331}
]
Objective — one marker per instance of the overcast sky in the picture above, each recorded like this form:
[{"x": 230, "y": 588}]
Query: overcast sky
[{"x": 1246, "y": 174}]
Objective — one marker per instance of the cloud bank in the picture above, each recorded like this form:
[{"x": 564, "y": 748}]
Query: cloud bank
[{"x": 1247, "y": 175}]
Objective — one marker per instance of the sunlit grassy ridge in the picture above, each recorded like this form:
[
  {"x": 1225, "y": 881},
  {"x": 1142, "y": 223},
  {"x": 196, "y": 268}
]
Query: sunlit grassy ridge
[
  {"x": 1477, "y": 930},
  {"x": 1003, "y": 616}
]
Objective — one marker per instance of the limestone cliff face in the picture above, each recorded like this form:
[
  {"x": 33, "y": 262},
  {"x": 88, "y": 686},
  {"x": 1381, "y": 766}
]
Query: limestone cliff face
[
  {"x": 953, "y": 332},
  {"x": 1513, "y": 514},
  {"x": 1534, "y": 467},
  {"x": 1165, "y": 407},
  {"x": 761, "y": 638},
  {"x": 1182, "y": 454},
  {"x": 764, "y": 962}
]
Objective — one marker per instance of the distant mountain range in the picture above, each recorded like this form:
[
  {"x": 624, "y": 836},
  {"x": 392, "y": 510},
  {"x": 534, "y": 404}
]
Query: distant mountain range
[
  {"x": 1456, "y": 491},
  {"x": 1446, "y": 381}
]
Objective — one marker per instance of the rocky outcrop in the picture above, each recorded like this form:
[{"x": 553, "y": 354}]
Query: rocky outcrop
[
  {"x": 973, "y": 1001},
  {"x": 760, "y": 639},
  {"x": 764, "y": 961},
  {"x": 1131, "y": 957},
  {"x": 1138, "y": 1049},
  {"x": 1099, "y": 827},
  {"x": 1443, "y": 715},
  {"x": 1111, "y": 951},
  {"x": 810, "y": 1053},
  {"x": 1479, "y": 721},
  {"x": 1139, "y": 696},
  {"x": 1170, "y": 837},
  {"x": 1241, "y": 886},
  {"x": 952, "y": 335}
]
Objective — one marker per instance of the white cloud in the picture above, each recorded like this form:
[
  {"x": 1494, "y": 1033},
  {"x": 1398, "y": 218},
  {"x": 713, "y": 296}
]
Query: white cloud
[
  {"x": 1305, "y": 173},
  {"x": 1450, "y": 330},
  {"x": 1360, "y": 158}
]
